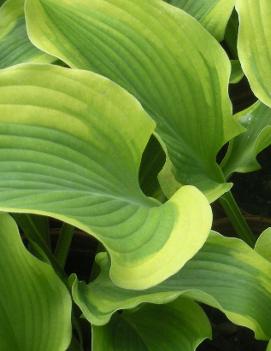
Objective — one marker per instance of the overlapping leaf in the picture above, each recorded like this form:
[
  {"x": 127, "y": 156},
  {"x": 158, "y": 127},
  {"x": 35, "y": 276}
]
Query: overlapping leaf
[
  {"x": 70, "y": 147},
  {"x": 35, "y": 306},
  {"x": 181, "y": 326},
  {"x": 254, "y": 45},
  {"x": 212, "y": 14},
  {"x": 236, "y": 72},
  {"x": 226, "y": 274},
  {"x": 158, "y": 53},
  {"x": 15, "y": 47},
  {"x": 263, "y": 244},
  {"x": 243, "y": 150}
]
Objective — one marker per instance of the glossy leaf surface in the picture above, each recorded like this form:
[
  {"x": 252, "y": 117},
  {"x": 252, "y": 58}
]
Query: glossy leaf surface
[
  {"x": 180, "y": 326},
  {"x": 15, "y": 47},
  {"x": 158, "y": 53},
  {"x": 212, "y": 14},
  {"x": 243, "y": 150},
  {"x": 254, "y": 45},
  {"x": 35, "y": 306},
  {"x": 70, "y": 148},
  {"x": 226, "y": 274}
]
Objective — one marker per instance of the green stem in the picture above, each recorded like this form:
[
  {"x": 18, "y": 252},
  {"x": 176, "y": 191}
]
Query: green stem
[
  {"x": 237, "y": 219},
  {"x": 64, "y": 243}
]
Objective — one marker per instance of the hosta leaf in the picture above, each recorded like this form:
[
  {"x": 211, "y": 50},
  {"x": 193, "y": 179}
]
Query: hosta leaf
[
  {"x": 263, "y": 244},
  {"x": 152, "y": 162},
  {"x": 254, "y": 45},
  {"x": 226, "y": 273},
  {"x": 212, "y": 14},
  {"x": 35, "y": 306},
  {"x": 70, "y": 147},
  {"x": 181, "y": 326},
  {"x": 231, "y": 36},
  {"x": 236, "y": 72},
  {"x": 243, "y": 150},
  {"x": 158, "y": 53},
  {"x": 15, "y": 47}
]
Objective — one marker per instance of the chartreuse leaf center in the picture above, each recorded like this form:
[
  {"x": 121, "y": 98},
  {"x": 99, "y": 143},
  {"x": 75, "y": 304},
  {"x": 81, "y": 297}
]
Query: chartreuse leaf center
[
  {"x": 70, "y": 147},
  {"x": 158, "y": 53}
]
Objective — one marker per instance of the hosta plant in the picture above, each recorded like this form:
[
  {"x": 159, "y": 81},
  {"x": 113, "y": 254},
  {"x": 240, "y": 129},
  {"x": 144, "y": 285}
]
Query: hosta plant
[{"x": 116, "y": 120}]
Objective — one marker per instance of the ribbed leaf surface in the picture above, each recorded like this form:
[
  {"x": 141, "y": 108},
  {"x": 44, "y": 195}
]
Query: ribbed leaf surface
[
  {"x": 70, "y": 147},
  {"x": 15, "y": 47},
  {"x": 158, "y": 53},
  {"x": 212, "y": 14},
  {"x": 226, "y": 274}
]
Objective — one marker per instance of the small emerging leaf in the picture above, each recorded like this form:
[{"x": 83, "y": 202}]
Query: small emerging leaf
[
  {"x": 180, "y": 326},
  {"x": 243, "y": 150}
]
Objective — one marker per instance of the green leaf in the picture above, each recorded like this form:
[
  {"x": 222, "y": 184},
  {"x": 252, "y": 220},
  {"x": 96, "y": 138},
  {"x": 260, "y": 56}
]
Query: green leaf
[
  {"x": 212, "y": 14},
  {"x": 15, "y": 47},
  {"x": 263, "y": 244},
  {"x": 180, "y": 326},
  {"x": 236, "y": 72},
  {"x": 70, "y": 148},
  {"x": 152, "y": 162},
  {"x": 254, "y": 45},
  {"x": 269, "y": 346},
  {"x": 226, "y": 274},
  {"x": 35, "y": 306},
  {"x": 243, "y": 150},
  {"x": 172, "y": 74},
  {"x": 231, "y": 36}
]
